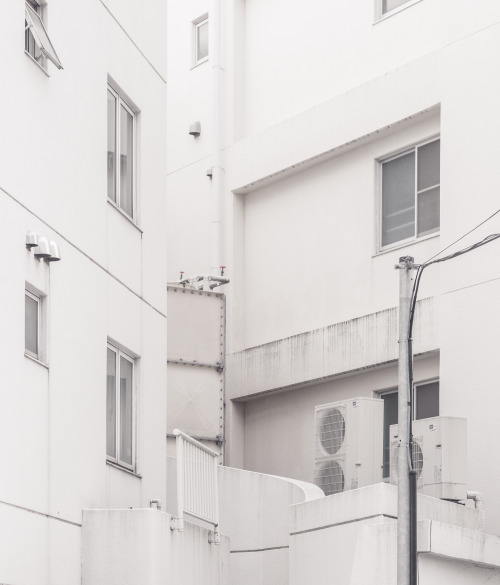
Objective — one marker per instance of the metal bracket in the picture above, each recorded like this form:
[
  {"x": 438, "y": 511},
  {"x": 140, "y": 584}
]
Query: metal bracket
[{"x": 214, "y": 537}]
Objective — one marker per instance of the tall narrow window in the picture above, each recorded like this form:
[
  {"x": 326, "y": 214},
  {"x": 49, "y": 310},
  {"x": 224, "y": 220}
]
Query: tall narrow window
[
  {"x": 120, "y": 408},
  {"x": 410, "y": 194},
  {"x": 32, "y": 324},
  {"x": 121, "y": 153},
  {"x": 200, "y": 39},
  {"x": 37, "y": 43}
]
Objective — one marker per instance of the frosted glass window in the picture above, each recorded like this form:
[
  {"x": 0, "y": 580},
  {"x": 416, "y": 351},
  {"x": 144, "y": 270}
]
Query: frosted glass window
[
  {"x": 120, "y": 408},
  {"x": 121, "y": 153},
  {"x": 388, "y": 5},
  {"x": 390, "y": 418},
  {"x": 31, "y": 323},
  {"x": 126, "y": 159},
  {"x": 398, "y": 199},
  {"x": 36, "y": 40},
  {"x": 126, "y": 410},
  {"x": 202, "y": 40},
  {"x": 111, "y": 405},
  {"x": 111, "y": 146},
  {"x": 411, "y": 194}
]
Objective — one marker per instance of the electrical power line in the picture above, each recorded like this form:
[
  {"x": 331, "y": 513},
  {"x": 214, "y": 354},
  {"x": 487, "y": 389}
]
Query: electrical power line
[{"x": 462, "y": 237}]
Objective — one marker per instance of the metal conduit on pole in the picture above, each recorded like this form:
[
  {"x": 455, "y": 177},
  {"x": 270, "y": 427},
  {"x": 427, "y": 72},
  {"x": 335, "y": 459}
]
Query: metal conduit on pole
[{"x": 405, "y": 267}]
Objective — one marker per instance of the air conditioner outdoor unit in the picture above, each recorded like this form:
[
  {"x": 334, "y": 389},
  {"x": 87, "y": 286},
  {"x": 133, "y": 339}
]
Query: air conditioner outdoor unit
[
  {"x": 348, "y": 444},
  {"x": 439, "y": 456}
]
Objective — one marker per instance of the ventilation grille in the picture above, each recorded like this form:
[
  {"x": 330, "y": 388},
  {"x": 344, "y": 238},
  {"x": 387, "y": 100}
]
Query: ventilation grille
[
  {"x": 330, "y": 477},
  {"x": 417, "y": 459},
  {"x": 331, "y": 431}
]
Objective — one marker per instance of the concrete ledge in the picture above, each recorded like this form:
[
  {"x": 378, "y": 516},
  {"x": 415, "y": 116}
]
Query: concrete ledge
[
  {"x": 377, "y": 503},
  {"x": 328, "y": 352}
]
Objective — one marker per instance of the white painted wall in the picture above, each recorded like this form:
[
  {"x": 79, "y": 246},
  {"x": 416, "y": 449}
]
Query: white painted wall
[
  {"x": 313, "y": 97},
  {"x": 110, "y": 283},
  {"x": 125, "y": 547}
]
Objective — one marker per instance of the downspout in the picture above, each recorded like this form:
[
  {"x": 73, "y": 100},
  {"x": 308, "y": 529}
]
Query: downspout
[
  {"x": 217, "y": 170},
  {"x": 478, "y": 499}
]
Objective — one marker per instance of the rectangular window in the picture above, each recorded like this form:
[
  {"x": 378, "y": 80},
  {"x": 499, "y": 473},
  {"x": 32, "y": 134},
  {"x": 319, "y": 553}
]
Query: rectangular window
[
  {"x": 426, "y": 405},
  {"x": 121, "y": 153},
  {"x": 120, "y": 408},
  {"x": 200, "y": 39},
  {"x": 32, "y": 324},
  {"x": 410, "y": 194},
  {"x": 37, "y": 43}
]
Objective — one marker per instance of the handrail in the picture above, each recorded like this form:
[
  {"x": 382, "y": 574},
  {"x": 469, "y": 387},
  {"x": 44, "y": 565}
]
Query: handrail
[{"x": 197, "y": 491}]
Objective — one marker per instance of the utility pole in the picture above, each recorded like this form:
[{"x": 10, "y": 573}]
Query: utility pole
[{"x": 405, "y": 267}]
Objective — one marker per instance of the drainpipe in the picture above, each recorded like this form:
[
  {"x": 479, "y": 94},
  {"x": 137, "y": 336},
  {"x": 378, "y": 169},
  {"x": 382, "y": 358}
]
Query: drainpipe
[
  {"x": 216, "y": 74},
  {"x": 478, "y": 499}
]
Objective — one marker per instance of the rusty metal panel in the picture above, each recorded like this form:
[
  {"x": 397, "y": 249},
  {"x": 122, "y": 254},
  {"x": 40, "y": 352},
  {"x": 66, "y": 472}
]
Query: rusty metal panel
[{"x": 195, "y": 364}]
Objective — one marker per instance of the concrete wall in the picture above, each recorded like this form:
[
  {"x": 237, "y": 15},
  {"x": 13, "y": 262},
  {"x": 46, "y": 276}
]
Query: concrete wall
[
  {"x": 254, "y": 510},
  {"x": 312, "y": 100},
  {"x": 126, "y": 547},
  {"x": 351, "y": 537},
  {"x": 109, "y": 284}
]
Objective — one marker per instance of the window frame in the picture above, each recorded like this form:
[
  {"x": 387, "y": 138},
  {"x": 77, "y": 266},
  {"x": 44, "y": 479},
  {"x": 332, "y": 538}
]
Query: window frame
[
  {"x": 381, "y": 15},
  {"x": 116, "y": 459},
  {"x": 394, "y": 390},
  {"x": 36, "y": 355},
  {"x": 35, "y": 32},
  {"x": 196, "y": 25},
  {"x": 380, "y": 164},
  {"x": 122, "y": 102}
]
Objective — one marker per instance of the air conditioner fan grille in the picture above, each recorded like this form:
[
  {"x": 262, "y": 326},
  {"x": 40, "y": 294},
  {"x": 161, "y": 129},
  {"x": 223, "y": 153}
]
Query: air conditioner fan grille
[{"x": 332, "y": 430}]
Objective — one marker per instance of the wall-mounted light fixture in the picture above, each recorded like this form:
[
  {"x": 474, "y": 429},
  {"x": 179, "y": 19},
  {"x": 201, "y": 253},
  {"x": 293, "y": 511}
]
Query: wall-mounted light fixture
[
  {"x": 42, "y": 248},
  {"x": 55, "y": 255},
  {"x": 31, "y": 240},
  {"x": 195, "y": 129}
]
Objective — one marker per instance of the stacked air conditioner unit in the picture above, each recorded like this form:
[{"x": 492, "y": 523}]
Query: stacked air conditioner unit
[
  {"x": 348, "y": 444},
  {"x": 439, "y": 456}
]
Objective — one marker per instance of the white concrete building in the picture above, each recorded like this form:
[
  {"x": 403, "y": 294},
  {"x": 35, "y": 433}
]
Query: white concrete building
[
  {"x": 341, "y": 138},
  {"x": 289, "y": 130}
]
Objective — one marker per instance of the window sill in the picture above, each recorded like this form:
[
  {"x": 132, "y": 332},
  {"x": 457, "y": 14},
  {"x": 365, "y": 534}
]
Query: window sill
[
  {"x": 41, "y": 67},
  {"x": 37, "y": 361},
  {"x": 198, "y": 63},
  {"x": 123, "y": 214},
  {"x": 125, "y": 469},
  {"x": 406, "y": 244},
  {"x": 396, "y": 11}
]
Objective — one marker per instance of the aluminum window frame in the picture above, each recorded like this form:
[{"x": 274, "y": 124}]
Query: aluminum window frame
[
  {"x": 36, "y": 32},
  {"x": 196, "y": 25},
  {"x": 380, "y": 163},
  {"x": 117, "y": 430},
  {"x": 38, "y": 299},
  {"x": 121, "y": 102}
]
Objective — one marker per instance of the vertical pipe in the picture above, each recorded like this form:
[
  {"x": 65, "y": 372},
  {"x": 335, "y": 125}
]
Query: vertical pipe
[
  {"x": 404, "y": 396},
  {"x": 413, "y": 527},
  {"x": 215, "y": 61}
]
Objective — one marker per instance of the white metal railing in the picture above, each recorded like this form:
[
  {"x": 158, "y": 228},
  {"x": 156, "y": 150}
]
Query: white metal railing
[{"x": 197, "y": 493}]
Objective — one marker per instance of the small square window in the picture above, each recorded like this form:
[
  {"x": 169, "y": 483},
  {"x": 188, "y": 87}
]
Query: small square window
[
  {"x": 410, "y": 194},
  {"x": 120, "y": 421},
  {"x": 37, "y": 43},
  {"x": 121, "y": 153},
  {"x": 200, "y": 39}
]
